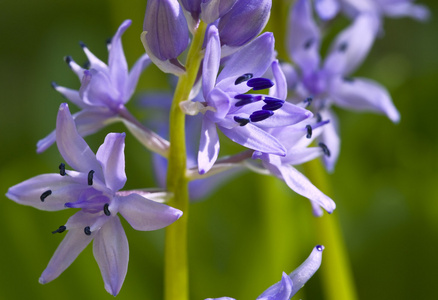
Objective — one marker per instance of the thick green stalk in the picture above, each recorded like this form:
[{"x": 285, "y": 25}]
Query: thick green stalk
[
  {"x": 176, "y": 265},
  {"x": 335, "y": 271}
]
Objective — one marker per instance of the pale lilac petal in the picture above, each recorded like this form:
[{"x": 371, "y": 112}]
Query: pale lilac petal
[
  {"x": 300, "y": 155},
  {"x": 111, "y": 251},
  {"x": 330, "y": 137},
  {"x": 112, "y": 158},
  {"x": 406, "y": 9},
  {"x": 255, "y": 138},
  {"x": 134, "y": 75},
  {"x": 95, "y": 63},
  {"x": 364, "y": 95},
  {"x": 77, "y": 69},
  {"x": 98, "y": 90},
  {"x": 144, "y": 214},
  {"x": 46, "y": 142},
  {"x": 279, "y": 90},
  {"x": 279, "y": 291},
  {"x": 73, "y": 243},
  {"x": 211, "y": 10},
  {"x": 306, "y": 270},
  {"x": 304, "y": 37},
  {"x": 327, "y": 9},
  {"x": 89, "y": 121},
  {"x": 210, "y": 66},
  {"x": 62, "y": 189},
  {"x": 72, "y": 146},
  {"x": 71, "y": 95},
  {"x": 220, "y": 101},
  {"x": 118, "y": 67},
  {"x": 352, "y": 45},
  {"x": 254, "y": 58},
  {"x": 208, "y": 146}
]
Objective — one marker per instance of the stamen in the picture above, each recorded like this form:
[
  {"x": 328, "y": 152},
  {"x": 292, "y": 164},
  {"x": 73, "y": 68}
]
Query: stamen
[
  {"x": 106, "y": 210},
  {"x": 260, "y": 83},
  {"x": 319, "y": 247},
  {"x": 45, "y": 195},
  {"x": 90, "y": 177},
  {"x": 54, "y": 85},
  {"x": 243, "y": 78},
  {"x": 246, "y": 99},
  {"x": 318, "y": 117},
  {"x": 87, "y": 230},
  {"x": 324, "y": 149},
  {"x": 308, "y": 101},
  {"x": 348, "y": 79},
  {"x": 241, "y": 121},
  {"x": 272, "y": 104},
  {"x": 82, "y": 44},
  {"x": 343, "y": 47},
  {"x": 68, "y": 59},
  {"x": 309, "y": 131},
  {"x": 108, "y": 41},
  {"x": 62, "y": 169},
  {"x": 86, "y": 65},
  {"x": 308, "y": 43},
  {"x": 60, "y": 229},
  {"x": 260, "y": 115}
]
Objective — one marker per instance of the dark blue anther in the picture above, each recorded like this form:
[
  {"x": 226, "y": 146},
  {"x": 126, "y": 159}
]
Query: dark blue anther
[
  {"x": 54, "y": 85},
  {"x": 82, "y": 44},
  {"x": 260, "y": 83},
  {"x": 273, "y": 104},
  {"x": 260, "y": 115},
  {"x": 60, "y": 229},
  {"x": 62, "y": 169},
  {"x": 45, "y": 195},
  {"x": 87, "y": 230},
  {"x": 108, "y": 41},
  {"x": 243, "y": 78},
  {"x": 243, "y": 96},
  {"x": 349, "y": 79},
  {"x": 90, "y": 177},
  {"x": 68, "y": 59},
  {"x": 343, "y": 47},
  {"x": 319, "y": 247},
  {"x": 318, "y": 117},
  {"x": 308, "y": 101},
  {"x": 309, "y": 131},
  {"x": 241, "y": 121},
  {"x": 106, "y": 210},
  {"x": 308, "y": 43},
  {"x": 324, "y": 149}
]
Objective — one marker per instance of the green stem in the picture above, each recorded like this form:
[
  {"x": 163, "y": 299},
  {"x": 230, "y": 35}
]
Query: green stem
[
  {"x": 335, "y": 271},
  {"x": 176, "y": 265}
]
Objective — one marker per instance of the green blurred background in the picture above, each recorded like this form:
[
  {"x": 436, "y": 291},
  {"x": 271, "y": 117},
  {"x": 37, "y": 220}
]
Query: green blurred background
[{"x": 244, "y": 236}]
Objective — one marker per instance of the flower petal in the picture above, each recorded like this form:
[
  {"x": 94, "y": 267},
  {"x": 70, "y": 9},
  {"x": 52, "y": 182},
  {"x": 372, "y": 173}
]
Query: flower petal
[
  {"x": 144, "y": 214},
  {"x": 365, "y": 95},
  {"x": 279, "y": 291},
  {"x": 330, "y": 137},
  {"x": 118, "y": 67},
  {"x": 208, "y": 146},
  {"x": 279, "y": 89},
  {"x": 212, "y": 58},
  {"x": 327, "y": 9},
  {"x": 134, "y": 75},
  {"x": 111, "y": 251},
  {"x": 211, "y": 10},
  {"x": 112, "y": 159},
  {"x": 72, "y": 146},
  {"x": 73, "y": 243},
  {"x": 70, "y": 94},
  {"x": 404, "y": 8}
]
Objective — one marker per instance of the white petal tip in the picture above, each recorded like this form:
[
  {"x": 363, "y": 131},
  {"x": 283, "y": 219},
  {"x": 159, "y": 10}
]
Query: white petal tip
[{"x": 41, "y": 280}]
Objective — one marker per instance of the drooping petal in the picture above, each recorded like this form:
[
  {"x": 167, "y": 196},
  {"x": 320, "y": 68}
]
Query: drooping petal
[
  {"x": 365, "y": 95},
  {"x": 300, "y": 155},
  {"x": 210, "y": 66},
  {"x": 72, "y": 146},
  {"x": 73, "y": 243},
  {"x": 144, "y": 214},
  {"x": 255, "y": 58},
  {"x": 327, "y": 9},
  {"x": 352, "y": 45},
  {"x": 211, "y": 10},
  {"x": 304, "y": 37},
  {"x": 112, "y": 159},
  {"x": 279, "y": 291},
  {"x": 46, "y": 192},
  {"x": 118, "y": 67},
  {"x": 306, "y": 270},
  {"x": 208, "y": 146},
  {"x": 134, "y": 75},
  {"x": 46, "y": 142},
  {"x": 111, "y": 251}
]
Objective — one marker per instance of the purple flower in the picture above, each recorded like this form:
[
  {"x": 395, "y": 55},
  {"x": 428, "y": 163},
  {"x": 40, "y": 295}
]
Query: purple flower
[
  {"x": 292, "y": 283},
  {"x": 211, "y": 10},
  {"x": 104, "y": 91},
  {"x": 165, "y": 34},
  {"x": 242, "y": 117},
  {"x": 94, "y": 189},
  {"x": 329, "y": 83}
]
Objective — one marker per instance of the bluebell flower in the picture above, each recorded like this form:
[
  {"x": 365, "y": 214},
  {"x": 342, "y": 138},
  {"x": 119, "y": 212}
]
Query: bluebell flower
[
  {"x": 242, "y": 117},
  {"x": 292, "y": 283},
  {"x": 329, "y": 83},
  {"x": 211, "y": 10},
  {"x": 165, "y": 35},
  {"x": 94, "y": 189},
  {"x": 104, "y": 91}
]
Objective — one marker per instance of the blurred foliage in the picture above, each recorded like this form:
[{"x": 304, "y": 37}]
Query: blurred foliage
[{"x": 245, "y": 235}]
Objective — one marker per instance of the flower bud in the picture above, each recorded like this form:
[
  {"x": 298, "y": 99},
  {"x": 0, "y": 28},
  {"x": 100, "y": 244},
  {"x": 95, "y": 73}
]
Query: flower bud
[
  {"x": 245, "y": 20},
  {"x": 211, "y": 10},
  {"x": 165, "y": 34},
  {"x": 193, "y": 7}
]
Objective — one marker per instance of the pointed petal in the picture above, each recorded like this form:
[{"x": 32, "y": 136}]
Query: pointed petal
[
  {"x": 327, "y": 9},
  {"x": 72, "y": 146},
  {"x": 397, "y": 10},
  {"x": 300, "y": 155},
  {"x": 89, "y": 121},
  {"x": 304, "y": 37},
  {"x": 254, "y": 58},
  {"x": 208, "y": 146},
  {"x": 118, "y": 67},
  {"x": 62, "y": 189},
  {"x": 252, "y": 137},
  {"x": 46, "y": 142},
  {"x": 352, "y": 46},
  {"x": 73, "y": 243},
  {"x": 279, "y": 90},
  {"x": 220, "y": 101},
  {"x": 111, "y": 156},
  {"x": 111, "y": 251},
  {"x": 144, "y": 214},
  {"x": 306, "y": 270},
  {"x": 279, "y": 291},
  {"x": 330, "y": 137},
  {"x": 70, "y": 94},
  {"x": 364, "y": 94},
  {"x": 212, "y": 58},
  {"x": 95, "y": 63},
  {"x": 134, "y": 75}
]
